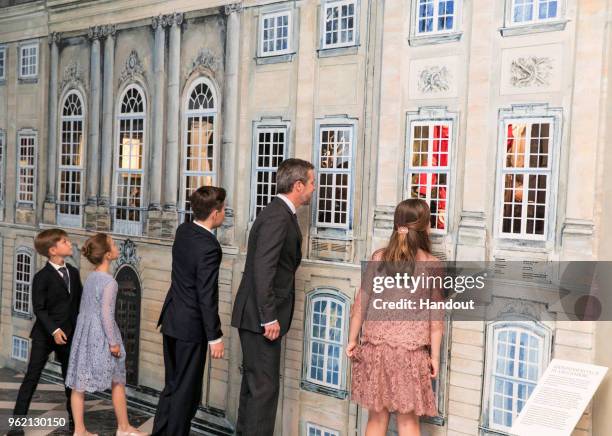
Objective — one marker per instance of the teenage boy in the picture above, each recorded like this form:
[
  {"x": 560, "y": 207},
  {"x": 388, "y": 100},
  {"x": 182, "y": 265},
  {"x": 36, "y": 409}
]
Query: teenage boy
[
  {"x": 56, "y": 297},
  {"x": 190, "y": 315}
]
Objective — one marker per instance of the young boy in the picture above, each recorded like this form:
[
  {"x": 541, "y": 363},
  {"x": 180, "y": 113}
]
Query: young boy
[
  {"x": 56, "y": 296},
  {"x": 190, "y": 315}
]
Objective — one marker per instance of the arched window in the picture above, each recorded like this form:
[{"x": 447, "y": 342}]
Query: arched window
[
  {"x": 70, "y": 201},
  {"x": 129, "y": 164},
  {"x": 199, "y": 143},
  {"x": 22, "y": 282},
  {"x": 325, "y": 337},
  {"x": 518, "y": 352}
]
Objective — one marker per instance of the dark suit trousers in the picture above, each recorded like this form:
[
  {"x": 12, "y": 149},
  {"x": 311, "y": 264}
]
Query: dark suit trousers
[
  {"x": 260, "y": 384},
  {"x": 38, "y": 358},
  {"x": 178, "y": 402}
]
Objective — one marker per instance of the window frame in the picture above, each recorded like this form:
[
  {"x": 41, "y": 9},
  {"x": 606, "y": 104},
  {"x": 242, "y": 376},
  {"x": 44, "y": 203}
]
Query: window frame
[
  {"x": 340, "y": 391},
  {"x": 21, "y": 134},
  {"x": 25, "y": 251},
  {"x": 22, "y": 47},
  {"x": 128, "y": 227},
  {"x": 23, "y": 342},
  {"x": 327, "y": 4},
  {"x": 335, "y": 230},
  {"x": 456, "y": 15},
  {"x": 71, "y": 220},
  {"x": 4, "y": 58},
  {"x": 182, "y": 210},
  {"x": 513, "y": 28},
  {"x": 519, "y": 323},
  {"x": 260, "y": 41},
  {"x": 530, "y": 114},
  {"x": 259, "y": 126},
  {"x": 325, "y": 431},
  {"x": 432, "y": 115}
]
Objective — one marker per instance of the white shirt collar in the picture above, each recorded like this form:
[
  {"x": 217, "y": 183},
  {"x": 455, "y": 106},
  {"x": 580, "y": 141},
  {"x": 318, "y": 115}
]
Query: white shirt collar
[
  {"x": 57, "y": 267},
  {"x": 286, "y": 200},
  {"x": 203, "y": 226}
]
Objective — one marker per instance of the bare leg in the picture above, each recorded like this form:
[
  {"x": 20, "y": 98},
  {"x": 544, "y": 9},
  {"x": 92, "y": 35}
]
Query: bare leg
[
  {"x": 120, "y": 405},
  {"x": 377, "y": 423},
  {"x": 77, "y": 402},
  {"x": 408, "y": 424}
]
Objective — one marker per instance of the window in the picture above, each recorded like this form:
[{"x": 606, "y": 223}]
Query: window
[
  {"x": 270, "y": 150},
  {"x": 200, "y": 142},
  {"x": 339, "y": 23},
  {"x": 518, "y": 355},
  {"x": 2, "y": 62},
  {"x": 325, "y": 360},
  {"x": 129, "y": 166},
  {"x": 317, "y": 430},
  {"x": 335, "y": 167},
  {"x": 529, "y": 11},
  {"x": 20, "y": 349},
  {"x": 28, "y": 61},
  {"x": 275, "y": 36},
  {"x": 428, "y": 168},
  {"x": 526, "y": 177},
  {"x": 436, "y": 16},
  {"x": 26, "y": 168},
  {"x": 71, "y": 162},
  {"x": 23, "y": 282}
]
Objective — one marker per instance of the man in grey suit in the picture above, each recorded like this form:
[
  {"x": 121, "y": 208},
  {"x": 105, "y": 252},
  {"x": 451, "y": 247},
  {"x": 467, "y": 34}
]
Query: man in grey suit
[{"x": 263, "y": 309}]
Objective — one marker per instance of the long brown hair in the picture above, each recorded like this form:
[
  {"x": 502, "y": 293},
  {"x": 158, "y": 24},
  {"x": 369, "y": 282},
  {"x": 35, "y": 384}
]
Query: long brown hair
[{"x": 410, "y": 232}]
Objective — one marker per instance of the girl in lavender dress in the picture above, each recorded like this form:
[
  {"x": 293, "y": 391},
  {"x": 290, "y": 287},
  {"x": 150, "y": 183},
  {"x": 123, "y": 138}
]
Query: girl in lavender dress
[
  {"x": 97, "y": 356},
  {"x": 396, "y": 359}
]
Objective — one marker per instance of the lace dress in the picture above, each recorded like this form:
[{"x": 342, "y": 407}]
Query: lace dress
[
  {"x": 92, "y": 367},
  {"x": 391, "y": 365}
]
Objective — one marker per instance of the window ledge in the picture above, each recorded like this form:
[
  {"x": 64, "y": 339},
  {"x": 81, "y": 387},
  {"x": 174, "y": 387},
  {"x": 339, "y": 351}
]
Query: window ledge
[
  {"x": 439, "y": 38},
  {"x": 337, "y": 51},
  {"x": 28, "y": 80},
  {"x": 274, "y": 59},
  {"x": 25, "y": 206},
  {"x": 530, "y": 245},
  {"x": 22, "y": 315},
  {"x": 324, "y": 390},
  {"x": 549, "y": 26}
]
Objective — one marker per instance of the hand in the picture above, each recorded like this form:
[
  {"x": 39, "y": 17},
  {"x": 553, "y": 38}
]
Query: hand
[
  {"x": 115, "y": 350},
  {"x": 217, "y": 350},
  {"x": 350, "y": 349},
  {"x": 434, "y": 366},
  {"x": 60, "y": 337},
  {"x": 272, "y": 331}
]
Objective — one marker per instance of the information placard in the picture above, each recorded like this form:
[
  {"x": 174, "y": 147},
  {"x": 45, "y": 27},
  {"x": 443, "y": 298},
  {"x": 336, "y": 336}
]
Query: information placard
[{"x": 559, "y": 399}]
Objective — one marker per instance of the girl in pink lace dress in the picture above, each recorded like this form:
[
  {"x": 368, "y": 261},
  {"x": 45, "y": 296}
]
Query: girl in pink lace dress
[{"x": 397, "y": 358}]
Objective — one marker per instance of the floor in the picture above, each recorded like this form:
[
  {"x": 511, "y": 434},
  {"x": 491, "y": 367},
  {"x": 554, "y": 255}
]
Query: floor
[{"x": 49, "y": 401}]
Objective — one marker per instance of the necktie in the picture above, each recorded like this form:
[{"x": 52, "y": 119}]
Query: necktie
[{"x": 65, "y": 276}]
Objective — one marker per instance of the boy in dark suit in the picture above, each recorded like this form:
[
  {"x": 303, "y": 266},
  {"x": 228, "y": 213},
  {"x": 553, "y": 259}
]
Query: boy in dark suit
[
  {"x": 190, "y": 315},
  {"x": 56, "y": 296}
]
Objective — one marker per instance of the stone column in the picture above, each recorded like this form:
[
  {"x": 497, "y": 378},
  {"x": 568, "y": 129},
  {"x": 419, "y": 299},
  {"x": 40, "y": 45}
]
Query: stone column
[
  {"x": 106, "y": 152},
  {"x": 155, "y": 158},
  {"x": 49, "y": 215},
  {"x": 171, "y": 161},
  {"x": 93, "y": 143},
  {"x": 230, "y": 115}
]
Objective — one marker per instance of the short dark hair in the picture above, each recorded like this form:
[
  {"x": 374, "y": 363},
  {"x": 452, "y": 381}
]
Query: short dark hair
[
  {"x": 206, "y": 199},
  {"x": 47, "y": 239},
  {"x": 291, "y": 171}
]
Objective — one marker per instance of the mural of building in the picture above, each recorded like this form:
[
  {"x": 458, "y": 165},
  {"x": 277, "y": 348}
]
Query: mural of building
[{"x": 495, "y": 112}]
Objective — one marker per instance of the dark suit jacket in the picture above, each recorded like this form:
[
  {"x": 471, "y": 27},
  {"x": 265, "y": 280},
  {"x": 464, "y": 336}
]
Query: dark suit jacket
[
  {"x": 267, "y": 289},
  {"x": 191, "y": 310},
  {"x": 53, "y": 305}
]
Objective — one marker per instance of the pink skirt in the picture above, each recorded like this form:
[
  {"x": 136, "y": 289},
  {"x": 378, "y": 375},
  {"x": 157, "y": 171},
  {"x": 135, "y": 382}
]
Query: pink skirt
[{"x": 393, "y": 378}]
